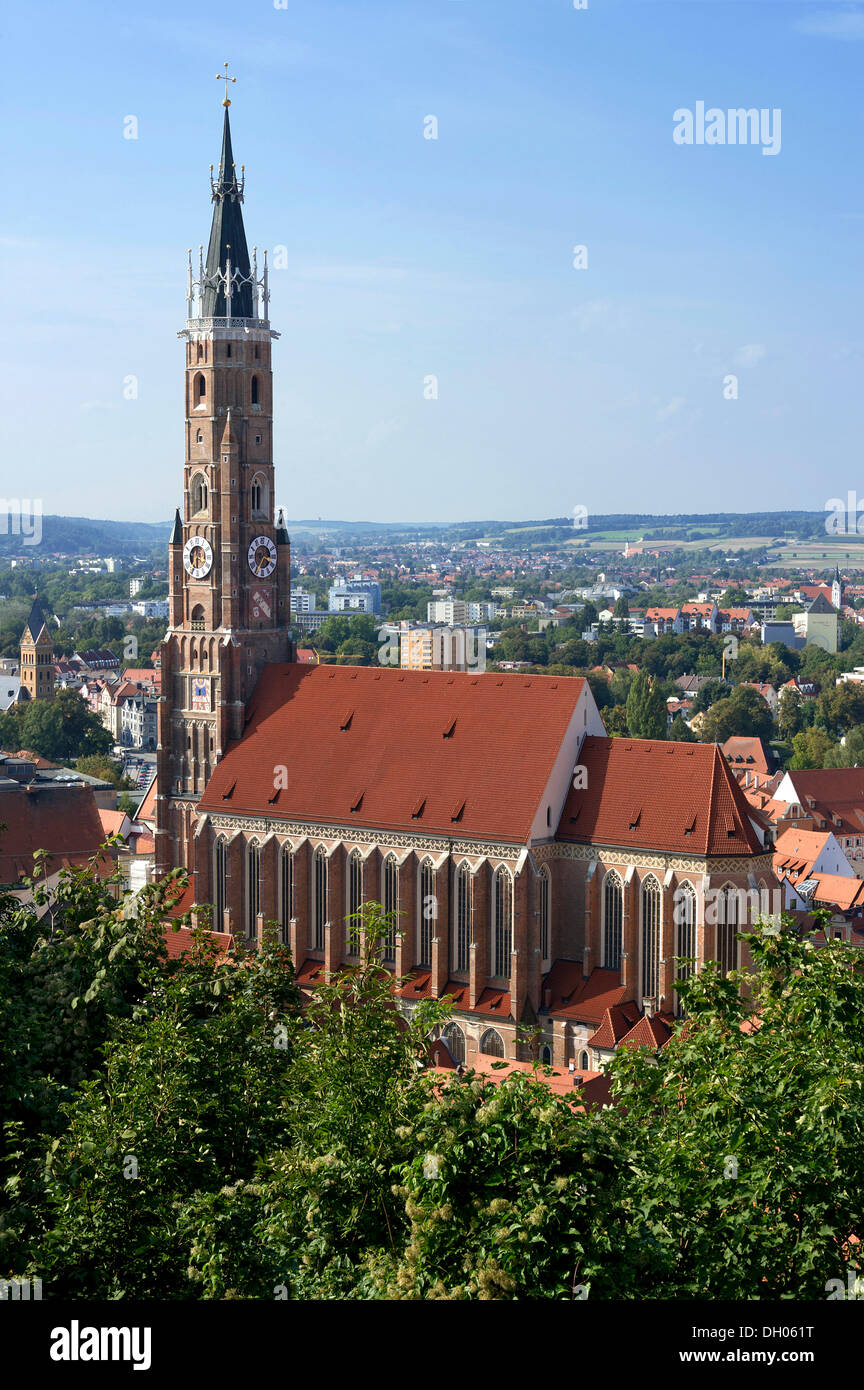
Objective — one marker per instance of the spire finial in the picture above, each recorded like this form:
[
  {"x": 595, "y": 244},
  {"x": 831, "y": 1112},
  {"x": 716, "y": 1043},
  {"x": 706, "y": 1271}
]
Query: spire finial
[{"x": 223, "y": 77}]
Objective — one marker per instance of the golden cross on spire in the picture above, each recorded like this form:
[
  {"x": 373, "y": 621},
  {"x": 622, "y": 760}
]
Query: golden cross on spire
[{"x": 223, "y": 77}]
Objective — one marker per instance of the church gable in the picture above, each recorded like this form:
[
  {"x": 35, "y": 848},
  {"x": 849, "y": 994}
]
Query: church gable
[
  {"x": 451, "y": 753},
  {"x": 673, "y": 797}
]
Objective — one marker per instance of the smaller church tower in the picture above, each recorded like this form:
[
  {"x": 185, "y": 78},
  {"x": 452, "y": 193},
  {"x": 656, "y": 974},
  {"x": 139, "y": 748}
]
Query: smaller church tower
[
  {"x": 37, "y": 656},
  {"x": 836, "y": 588}
]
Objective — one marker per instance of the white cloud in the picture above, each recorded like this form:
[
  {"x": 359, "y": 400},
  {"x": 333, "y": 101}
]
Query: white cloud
[
  {"x": 667, "y": 411},
  {"x": 837, "y": 24},
  {"x": 749, "y": 355}
]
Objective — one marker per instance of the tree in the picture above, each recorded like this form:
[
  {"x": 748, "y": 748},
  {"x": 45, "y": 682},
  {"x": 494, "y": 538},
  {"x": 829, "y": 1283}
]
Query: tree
[
  {"x": 708, "y": 693},
  {"x": 745, "y": 714},
  {"x": 681, "y": 732},
  {"x": 622, "y": 607},
  {"x": 646, "y": 708},
  {"x": 811, "y": 748},
  {"x": 790, "y": 716},
  {"x": 840, "y": 707},
  {"x": 99, "y": 765},
  {"x": 61, "y": 729}
]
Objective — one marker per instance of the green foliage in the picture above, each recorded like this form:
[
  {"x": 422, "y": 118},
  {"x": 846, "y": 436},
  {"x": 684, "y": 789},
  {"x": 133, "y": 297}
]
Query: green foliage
[
  {"x": 744, "y": 713},
  {"x": 61, "y": 729},
  {"x": 178, "y": 1129},
  {"x": 646, "y": 708}
]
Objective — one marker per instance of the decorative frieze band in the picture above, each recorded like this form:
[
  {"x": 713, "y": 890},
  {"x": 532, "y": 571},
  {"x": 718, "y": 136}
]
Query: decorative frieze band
[
  {"x": 265, "y": 825},
  {"x": 685, "y": 863}
]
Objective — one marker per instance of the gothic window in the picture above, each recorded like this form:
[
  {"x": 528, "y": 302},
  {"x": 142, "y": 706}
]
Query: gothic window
[
  {"x": 502, "y": 920},
  {"x": 391, "y": 905},
  {"x": 727, "y": 929},
  {"x": 286, "y": 886},
  {"x": 256, "y": 352},
  {"x": 613, "y": 916},
  {"x": 197, "y": 621},
  {"x": 220, "y": 900},
  {"x": 685, "y": 936},
  {"x": 545, "y": 887},
  {"x": 492, "y": 1044},
  {"x": 200, "y": 390},
  {"x": 228, "y": 350},
  {"x": 258, "y": 496},
  {"x": 253, "y": 887},
  {"x": 428, "y": 911},
  {"x": 463, "y": 918},
  {"x": 199, "y": 438},
  {"x": 455, "y": 1040},
  {"x": 355, "y": 901},
  {"x": 546, "y": 1055},
  {"x": 584, "y": 1061},
  {"x": 319, "y": 895},
  {"x": 200, "y": 352},
  {"x": 199, "y": 494},
  {"x": 651, "y": 939},
  {"x": 254, "y": 390}
]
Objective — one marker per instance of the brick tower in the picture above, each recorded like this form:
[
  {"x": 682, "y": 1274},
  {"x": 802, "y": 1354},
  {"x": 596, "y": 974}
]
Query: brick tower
[
  {"x": 228, "y": 559},
  {"x": 37, "y": 656}
]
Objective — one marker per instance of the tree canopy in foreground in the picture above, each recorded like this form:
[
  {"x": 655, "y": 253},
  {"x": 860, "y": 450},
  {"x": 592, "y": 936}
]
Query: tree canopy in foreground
[{"x": 180, "y": 1129}]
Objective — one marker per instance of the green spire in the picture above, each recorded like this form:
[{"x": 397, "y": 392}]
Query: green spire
[{"x": 227, "y": 241}]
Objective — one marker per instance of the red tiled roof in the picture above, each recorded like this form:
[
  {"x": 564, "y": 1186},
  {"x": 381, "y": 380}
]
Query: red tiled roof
[
  {"x": 648, "y": 1032},
  {"x": 833, "y": 791},
  {"x": 492, "y": 1003},
  {"x": 671, "y": 797},
  {"x": 180, "y": 941},
  {"x": 399, "y": 749},
  {"x": 750, "y": 749},
  {"x": 616, "y": 1024},
  {"x": 573, "y": 995},
  {"x": 62, "y": 819}
]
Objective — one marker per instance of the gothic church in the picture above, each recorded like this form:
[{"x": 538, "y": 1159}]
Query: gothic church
[{"x": 294, "y": 793}]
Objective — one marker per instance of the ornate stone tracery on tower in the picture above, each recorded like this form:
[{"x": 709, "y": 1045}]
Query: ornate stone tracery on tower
[{"x": 229, "y": 560}]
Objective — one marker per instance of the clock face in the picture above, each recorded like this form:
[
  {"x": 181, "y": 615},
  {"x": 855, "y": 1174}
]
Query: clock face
[
  {"x": 262, "y": 556},
  {"x": 197, "y": 557}
]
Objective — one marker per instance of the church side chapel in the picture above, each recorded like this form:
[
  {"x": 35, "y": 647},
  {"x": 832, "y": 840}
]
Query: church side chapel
[{"x": 543, "y": 874}]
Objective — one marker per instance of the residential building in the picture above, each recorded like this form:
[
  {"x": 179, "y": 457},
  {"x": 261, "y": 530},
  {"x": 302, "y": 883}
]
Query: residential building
[{"x": 355, "y": 596}]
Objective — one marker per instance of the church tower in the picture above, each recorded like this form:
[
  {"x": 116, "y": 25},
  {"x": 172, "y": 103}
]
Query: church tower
[
  {"x": 229, "y": 589},
  {"x": 836, "y": 588},
  {"x": 37, "y": 656}
]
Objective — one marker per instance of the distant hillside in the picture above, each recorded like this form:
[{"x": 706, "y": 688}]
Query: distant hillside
[
  {"x": 75, "y": 535},
  {"x": 80, "y": 535}
]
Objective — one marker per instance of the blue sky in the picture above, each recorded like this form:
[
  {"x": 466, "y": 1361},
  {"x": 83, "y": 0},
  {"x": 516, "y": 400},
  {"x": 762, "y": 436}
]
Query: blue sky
[{"x": 406, "y": 257}]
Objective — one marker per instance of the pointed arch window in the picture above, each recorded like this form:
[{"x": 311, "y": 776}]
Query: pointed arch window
[
  {"x": 492, "y": 1044},
  {"x": 727, "y": 929},
  {"x": 220, "y": 895},
  {"x": 462, "y": 959},
  {"x": 428, "y": 910},
  {"x": 200, "y": 494},
  {"x": 255, "y": 400},
  {"x": 253, "y": 887},
  {"x": 651, "y": 939},
  {"x": 200, "y": 389},
  {"x": 685, "y": 937},
  {"x": 391, "y": 905},
  {"x": 319, "y": 895},
  {"x": 286, "y": 890},
  {"x": 259, "y": 496},
  {"x": 455, "y": 1040},
  {"x": 502, "y": 921},
  {"x": 613, "y": 918},
  {"x": 545, "y": 887},
  {"x": 355, "y": 901}
]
